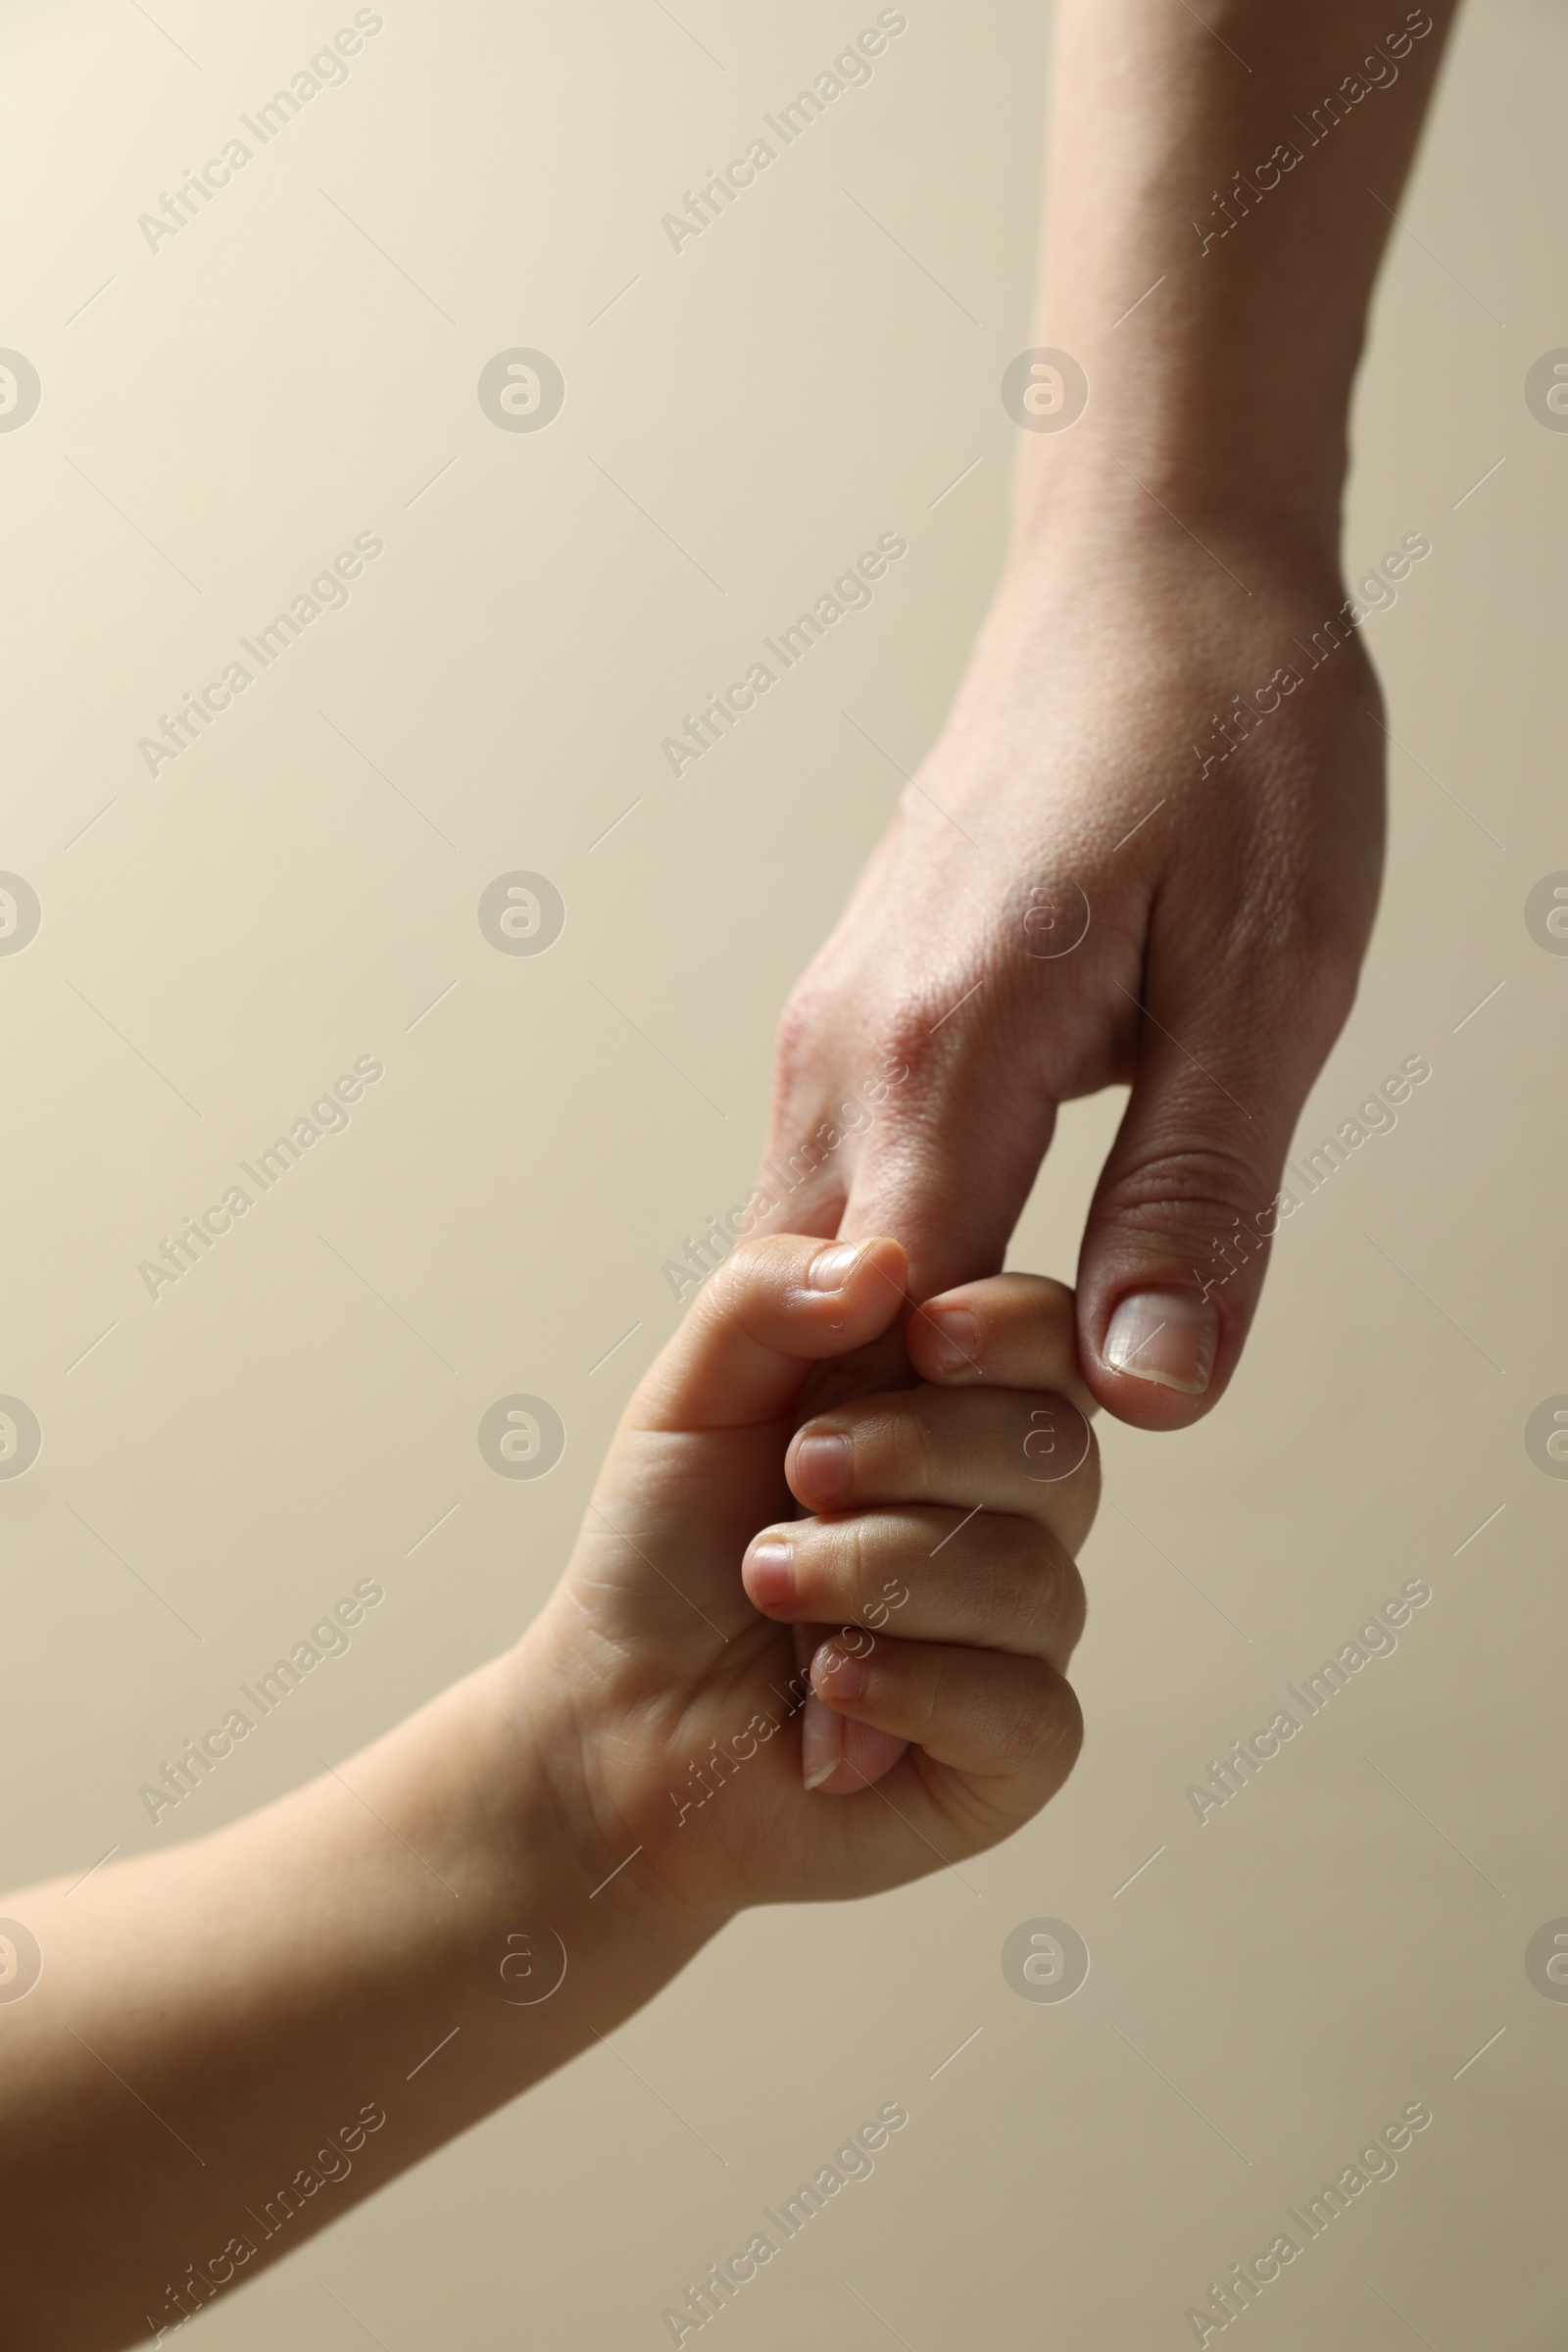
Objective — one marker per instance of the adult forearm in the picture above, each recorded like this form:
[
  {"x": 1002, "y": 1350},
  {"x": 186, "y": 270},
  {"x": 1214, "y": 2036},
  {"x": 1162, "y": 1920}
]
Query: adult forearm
[
  {"x": 1219, "y": 199},
  {"x": 1147, "y": 846}
]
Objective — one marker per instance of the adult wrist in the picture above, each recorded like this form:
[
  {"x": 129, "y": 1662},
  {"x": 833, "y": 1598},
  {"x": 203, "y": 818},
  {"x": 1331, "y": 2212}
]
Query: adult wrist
[
  {"x": 1219, "y": 415},
  {"x": 1132, "y": 480}
]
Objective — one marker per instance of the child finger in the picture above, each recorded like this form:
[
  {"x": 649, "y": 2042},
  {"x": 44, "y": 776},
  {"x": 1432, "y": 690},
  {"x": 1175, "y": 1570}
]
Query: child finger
[
  {"x": 778, "y": 1304},
  {"x": 1009, "y": 1449},
  {"x": 986, "y": 1579},
  {"x": 1012, "y": 1331},
  {"x": 984, "y": 1713}
]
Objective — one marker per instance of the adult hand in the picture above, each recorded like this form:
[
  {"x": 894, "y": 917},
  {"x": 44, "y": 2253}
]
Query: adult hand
[
  {"x": 1147, "y": 848},
  {"x": 1145, "y": 851}
]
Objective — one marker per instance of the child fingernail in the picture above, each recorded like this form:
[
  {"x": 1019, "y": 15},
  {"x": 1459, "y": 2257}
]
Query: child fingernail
[
  {"x": 822, "y": 1463},
  {"x": 830, "y": 1269},
  {"x": 840, "y": 1673},
  {"x": 957, "y": 1340},
  {"x": 770, "y": 1573},
  {"x": 1162, "y": 1336},
  {"x": 821, "y": 1741}
]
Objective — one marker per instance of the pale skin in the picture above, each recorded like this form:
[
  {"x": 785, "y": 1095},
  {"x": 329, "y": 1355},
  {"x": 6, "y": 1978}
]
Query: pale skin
[
  {"x": 213, "y": 2018},
  {"x": 1175, "y": 549},
  {"x": 216, "y": 2016}
]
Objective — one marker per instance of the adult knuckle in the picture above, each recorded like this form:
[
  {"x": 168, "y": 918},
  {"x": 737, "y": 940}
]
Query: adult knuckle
[
  {"x": 1294, "y": 952},
  {"x": 1329, "y": 969},
  {"x": 922, "y": 1027},
  {"x": 1183, "y": 1185},
  {"x": 907, "y": 1022},
  {"x": 800, "y": 1026},
  {"x": 806, "y": 1051}
]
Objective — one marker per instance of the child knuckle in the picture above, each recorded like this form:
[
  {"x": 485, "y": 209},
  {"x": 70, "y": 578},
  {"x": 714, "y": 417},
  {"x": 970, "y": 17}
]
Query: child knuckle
[
  {"x": 1043, "y": 1720},
  {"x": 1026, "y": 1585},
  {"x": 921, "y": 1456},
  {"x": 933, "y": 1698},
  {"x": 853, "y": 1566}
]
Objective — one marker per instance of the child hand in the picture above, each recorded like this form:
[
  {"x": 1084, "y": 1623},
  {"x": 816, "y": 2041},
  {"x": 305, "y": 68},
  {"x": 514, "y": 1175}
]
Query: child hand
[
  {"x": 494, "y": 1884},
  {"x": 936, "y": 1563}
]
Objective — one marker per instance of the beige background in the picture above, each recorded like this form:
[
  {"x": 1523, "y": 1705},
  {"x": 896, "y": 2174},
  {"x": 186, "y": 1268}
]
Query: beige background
[{"x": 223, "y": 418}]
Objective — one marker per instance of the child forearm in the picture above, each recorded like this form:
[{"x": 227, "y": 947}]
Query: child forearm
[{"x": 232, "y": 2042}]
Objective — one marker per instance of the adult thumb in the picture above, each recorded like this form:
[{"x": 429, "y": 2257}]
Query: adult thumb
[{"x": 1178, "y": 1237}]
